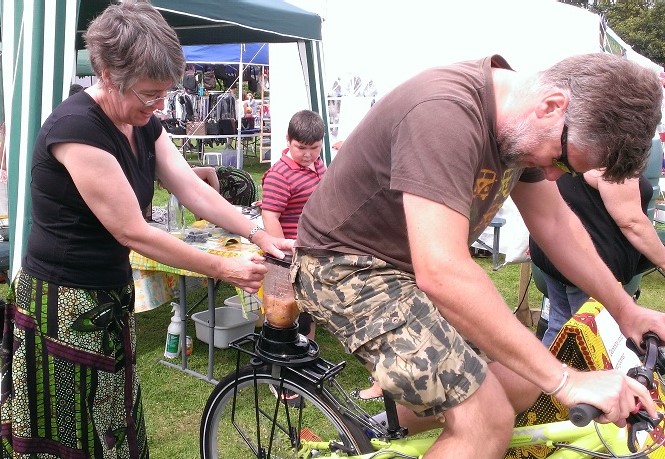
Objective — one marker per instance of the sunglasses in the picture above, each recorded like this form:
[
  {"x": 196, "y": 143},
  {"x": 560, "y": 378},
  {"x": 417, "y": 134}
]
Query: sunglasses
[
  {"x": 562, "y": 163},
  {"x": 147, "y": 103}
]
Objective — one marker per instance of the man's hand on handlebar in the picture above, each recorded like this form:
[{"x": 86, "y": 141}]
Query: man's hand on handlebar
[{"x": 611, "y": 395}]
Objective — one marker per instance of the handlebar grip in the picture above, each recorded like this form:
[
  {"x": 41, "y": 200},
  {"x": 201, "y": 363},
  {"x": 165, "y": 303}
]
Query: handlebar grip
[{"x": 583, "y": 413}]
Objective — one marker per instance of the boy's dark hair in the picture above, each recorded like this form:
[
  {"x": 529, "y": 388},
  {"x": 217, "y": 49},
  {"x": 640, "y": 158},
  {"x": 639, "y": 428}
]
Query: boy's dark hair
[{"x": 305, "y": 127}]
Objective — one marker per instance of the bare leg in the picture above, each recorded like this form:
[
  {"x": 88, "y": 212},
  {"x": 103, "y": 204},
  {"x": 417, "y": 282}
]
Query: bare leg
[
  {"x": 487, "y": 415},
  {"x": 371, "y": 392},
  {"x": 520, "y": 392}
]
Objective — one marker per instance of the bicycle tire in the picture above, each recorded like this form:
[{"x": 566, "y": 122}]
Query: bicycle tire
[{"x": 220, "y": 438}]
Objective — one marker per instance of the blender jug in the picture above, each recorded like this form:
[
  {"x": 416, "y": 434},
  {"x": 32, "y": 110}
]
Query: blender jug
[
  {"x": 279, "y": 303},
  {"x": 279, "y": 340}
]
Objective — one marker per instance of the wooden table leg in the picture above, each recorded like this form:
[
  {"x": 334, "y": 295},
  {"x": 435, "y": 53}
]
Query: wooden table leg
[{"x": 523, "y": 311}]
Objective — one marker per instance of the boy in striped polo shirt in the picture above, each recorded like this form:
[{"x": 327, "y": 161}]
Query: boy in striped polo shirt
[{"x": 288, "y": 184}]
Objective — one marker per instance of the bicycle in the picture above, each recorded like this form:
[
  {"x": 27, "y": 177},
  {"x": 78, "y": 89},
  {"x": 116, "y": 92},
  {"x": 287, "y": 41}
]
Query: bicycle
[{"x": 280, "y": 429}]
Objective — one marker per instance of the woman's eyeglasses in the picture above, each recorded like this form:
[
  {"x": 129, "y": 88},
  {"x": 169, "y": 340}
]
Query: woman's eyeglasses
[
  {"x": 148, "y": 103},
  {"x": 562, "y": 162}
]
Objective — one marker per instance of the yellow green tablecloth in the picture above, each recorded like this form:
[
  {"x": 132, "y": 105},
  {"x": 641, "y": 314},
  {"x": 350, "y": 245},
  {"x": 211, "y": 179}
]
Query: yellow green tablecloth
[{"x": 156, "y": 283}]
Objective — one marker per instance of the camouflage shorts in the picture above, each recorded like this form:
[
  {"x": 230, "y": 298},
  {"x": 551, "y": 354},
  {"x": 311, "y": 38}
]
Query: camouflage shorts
[{"x": 380, "y": 315}]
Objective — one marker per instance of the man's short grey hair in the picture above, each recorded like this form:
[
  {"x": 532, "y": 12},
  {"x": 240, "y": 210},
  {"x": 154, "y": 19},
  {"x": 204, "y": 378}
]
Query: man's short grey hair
[
  {"x": 614, "y": 108},
  {"x": 132, "y": 41}
]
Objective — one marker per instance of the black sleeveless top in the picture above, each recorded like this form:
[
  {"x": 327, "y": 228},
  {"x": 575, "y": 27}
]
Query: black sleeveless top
[
  {"x": 68, "y": 245},
  {"x": 617, "y": 252}
]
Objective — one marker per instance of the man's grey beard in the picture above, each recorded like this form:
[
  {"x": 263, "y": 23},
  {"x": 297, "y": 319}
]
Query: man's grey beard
[
  {"x": 511, "y": 158},
  {"x": 516, "y": 140}
]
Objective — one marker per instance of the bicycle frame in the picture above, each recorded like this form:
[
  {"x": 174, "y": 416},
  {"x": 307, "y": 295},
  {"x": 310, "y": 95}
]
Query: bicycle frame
[
  {"x": 544, "y": 435},
  {"x": 539, "y": 438}
]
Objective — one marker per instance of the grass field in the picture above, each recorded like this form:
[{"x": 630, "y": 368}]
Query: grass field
[{"x": 174, "y": 400}]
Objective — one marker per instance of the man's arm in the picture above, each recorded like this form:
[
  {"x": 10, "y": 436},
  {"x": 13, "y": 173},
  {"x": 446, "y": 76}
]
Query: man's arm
[
  {"x": 465, "y": 295},
  {"x": 563, "y": 238}
]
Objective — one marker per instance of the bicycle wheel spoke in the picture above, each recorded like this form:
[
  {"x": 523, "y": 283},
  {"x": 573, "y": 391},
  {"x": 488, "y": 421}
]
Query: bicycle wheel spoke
[{"x": 273, "y": 428}]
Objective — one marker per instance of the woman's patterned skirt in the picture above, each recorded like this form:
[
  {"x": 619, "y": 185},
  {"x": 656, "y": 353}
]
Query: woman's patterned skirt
[{"x": 69, "y": 384}]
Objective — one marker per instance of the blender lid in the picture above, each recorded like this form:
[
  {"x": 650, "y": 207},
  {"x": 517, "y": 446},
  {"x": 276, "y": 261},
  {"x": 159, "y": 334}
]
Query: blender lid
[{"x": 286, "y": 261}]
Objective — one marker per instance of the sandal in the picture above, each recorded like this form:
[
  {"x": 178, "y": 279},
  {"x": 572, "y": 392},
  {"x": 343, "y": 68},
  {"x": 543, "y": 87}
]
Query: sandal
[
  {"x": 289, "y": 398},
  {"x": 355, "y": 394}
]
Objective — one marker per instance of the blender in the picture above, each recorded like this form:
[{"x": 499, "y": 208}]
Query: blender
[{"x": 279, "y": 340}]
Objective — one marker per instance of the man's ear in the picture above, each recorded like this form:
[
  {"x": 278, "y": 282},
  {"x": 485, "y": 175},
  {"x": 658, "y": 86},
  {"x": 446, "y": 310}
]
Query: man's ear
[{"x": 553, "y": 104}]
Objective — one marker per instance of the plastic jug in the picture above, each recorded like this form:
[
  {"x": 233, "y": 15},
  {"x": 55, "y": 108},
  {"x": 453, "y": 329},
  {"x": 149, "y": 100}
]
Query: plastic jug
[
  {"x": 175, "y": 217},
  {"x": 279, "y": 302}
]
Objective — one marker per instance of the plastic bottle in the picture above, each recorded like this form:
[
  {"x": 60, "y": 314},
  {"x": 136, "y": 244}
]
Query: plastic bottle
[
  {"x": 172, "y": 348},
  {"x": 175, "y": 216}
]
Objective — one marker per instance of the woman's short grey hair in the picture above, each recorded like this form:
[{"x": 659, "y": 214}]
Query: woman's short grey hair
[
  {"x": 614, "y": 108},
  {"x": 132, "y": 41}
]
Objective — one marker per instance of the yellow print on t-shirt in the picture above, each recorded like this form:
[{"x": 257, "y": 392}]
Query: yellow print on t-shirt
[
  {"x": 498, "y": 199},
  {"x": 507, "y": 183},
  {"x": 483, "y": 183}
]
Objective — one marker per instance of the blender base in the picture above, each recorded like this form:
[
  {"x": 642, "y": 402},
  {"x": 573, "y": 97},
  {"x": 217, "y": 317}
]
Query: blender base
[{"x": 285, "y": 345}]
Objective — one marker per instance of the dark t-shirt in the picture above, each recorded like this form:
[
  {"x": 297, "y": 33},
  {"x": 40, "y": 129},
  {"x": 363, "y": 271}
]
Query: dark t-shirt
[
  {"x": 67, "y": 244},
  {"x": 432, "y": 136},
  {"x": 612, "y": 246}
]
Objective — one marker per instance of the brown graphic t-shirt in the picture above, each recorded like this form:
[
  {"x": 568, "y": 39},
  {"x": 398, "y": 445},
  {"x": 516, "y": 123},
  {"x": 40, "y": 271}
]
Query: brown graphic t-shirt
[{"x": 432, "y": 136}]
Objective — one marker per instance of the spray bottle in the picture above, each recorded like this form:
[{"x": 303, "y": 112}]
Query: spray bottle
[{"x": 172, "y": 348}]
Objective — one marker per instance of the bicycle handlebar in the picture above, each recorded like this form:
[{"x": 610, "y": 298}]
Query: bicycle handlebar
[{"x": 583, "y": 413}]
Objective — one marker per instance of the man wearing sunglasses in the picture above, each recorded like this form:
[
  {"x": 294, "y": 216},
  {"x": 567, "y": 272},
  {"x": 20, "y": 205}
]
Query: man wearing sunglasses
[{"x": 382, "y": 251}]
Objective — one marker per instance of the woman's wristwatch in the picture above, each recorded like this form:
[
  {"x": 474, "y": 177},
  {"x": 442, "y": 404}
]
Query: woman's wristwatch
[{"x": 252, "y": 233}]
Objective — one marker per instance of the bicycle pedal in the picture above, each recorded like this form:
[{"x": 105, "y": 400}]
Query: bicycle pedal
[{"x": 308, "y": 435}]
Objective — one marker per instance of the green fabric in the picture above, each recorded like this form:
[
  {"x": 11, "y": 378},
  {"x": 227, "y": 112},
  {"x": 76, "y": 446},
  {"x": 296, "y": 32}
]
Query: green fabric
[{"x": 224, "y": 21}]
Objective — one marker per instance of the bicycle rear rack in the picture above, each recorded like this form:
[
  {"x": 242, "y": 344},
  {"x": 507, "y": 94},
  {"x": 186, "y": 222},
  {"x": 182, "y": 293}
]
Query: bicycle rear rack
[
  {"x": 319, "y": 371},
  {"x": 313, "y": 368}
]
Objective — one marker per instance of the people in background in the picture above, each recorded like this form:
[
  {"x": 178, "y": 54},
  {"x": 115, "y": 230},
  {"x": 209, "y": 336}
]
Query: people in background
[
  {"x": 73, "y": 352},
  {"x": 288, "y": 184},
  {"x": 250, "y": 104},
  {"x": 382, "y": 253},
  {"x": 615, "y": 215}
]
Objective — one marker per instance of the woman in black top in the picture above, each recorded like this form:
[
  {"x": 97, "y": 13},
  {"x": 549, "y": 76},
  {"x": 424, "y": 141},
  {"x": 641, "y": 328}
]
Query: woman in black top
[
  {"x": 614, "y": 214},
  {"x": 75, "y": 393}
]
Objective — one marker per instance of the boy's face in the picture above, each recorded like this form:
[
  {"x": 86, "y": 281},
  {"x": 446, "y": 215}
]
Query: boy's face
[{"x": 305, "y": 154}]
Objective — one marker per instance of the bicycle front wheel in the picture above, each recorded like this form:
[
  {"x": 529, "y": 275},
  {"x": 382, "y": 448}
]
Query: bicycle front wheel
[{"x": 244, "y": 418}]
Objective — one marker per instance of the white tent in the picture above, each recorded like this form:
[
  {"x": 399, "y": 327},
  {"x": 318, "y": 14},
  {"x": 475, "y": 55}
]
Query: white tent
[{"x": 387, "y": 41}]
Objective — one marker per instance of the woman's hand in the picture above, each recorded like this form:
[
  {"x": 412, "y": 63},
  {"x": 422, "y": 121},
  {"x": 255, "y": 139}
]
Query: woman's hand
[
  {"x": 246, "y": 272},
  {"x": 275, "y": 246}
]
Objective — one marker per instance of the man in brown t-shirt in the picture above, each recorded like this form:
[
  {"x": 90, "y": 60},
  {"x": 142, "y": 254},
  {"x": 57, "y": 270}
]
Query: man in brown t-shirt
[{"x": 383, "y": 256}]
